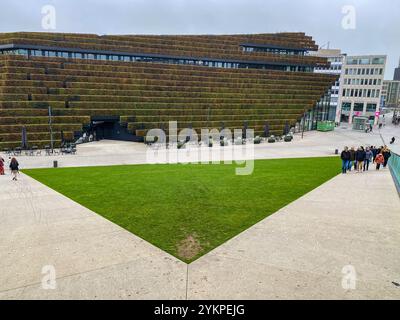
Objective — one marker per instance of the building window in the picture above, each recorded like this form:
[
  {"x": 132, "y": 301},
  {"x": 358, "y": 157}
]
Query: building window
[
  {"x": 371, "y": 107},
  {"x": 346, "y": 106},
  {"x": 358, "y": 106}
]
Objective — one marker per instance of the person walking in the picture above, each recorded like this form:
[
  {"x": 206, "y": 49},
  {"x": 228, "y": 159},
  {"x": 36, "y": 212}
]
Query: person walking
[
  {"x": 392, "y": 140},
  {"x": 352, "y": 158},
  {"x": 386, "y": 155},
  {"x": 379, "y": 160},
  {"x": 345, "y": 156},
  {"x": 14, "y": 167},
  {"x": 360, "y": 157},
  {"x": 368, "y": 158},
  {"x": 1, "y": 166},
  {"x": 374, "y": 153}
]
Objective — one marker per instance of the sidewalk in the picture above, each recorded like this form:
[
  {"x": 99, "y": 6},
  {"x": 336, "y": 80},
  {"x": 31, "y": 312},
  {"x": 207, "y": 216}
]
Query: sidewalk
[
  {"x": 300, "y": 251},
  {"x": 93, "y": 258}
]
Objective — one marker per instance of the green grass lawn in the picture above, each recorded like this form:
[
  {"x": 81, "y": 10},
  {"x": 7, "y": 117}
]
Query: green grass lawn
[{"x": 187, "y": 210}]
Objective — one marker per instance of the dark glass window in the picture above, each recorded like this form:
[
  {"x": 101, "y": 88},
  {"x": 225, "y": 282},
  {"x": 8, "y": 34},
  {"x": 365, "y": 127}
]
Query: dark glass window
[{"x": 358, "y": 106}]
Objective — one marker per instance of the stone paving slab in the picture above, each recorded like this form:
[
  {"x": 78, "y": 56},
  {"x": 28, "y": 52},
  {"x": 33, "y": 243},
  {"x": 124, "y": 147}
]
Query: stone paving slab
[
  {"x": 300, "y": 251},
  {"x": 93, "y": 257}
]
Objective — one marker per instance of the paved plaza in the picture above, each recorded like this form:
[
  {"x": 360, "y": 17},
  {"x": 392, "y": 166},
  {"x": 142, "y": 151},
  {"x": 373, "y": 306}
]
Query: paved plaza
[{"x": 303, "y": 251}]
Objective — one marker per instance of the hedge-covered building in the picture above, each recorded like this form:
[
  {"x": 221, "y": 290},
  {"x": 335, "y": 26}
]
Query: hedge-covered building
[{"x": 128, "y": 84}]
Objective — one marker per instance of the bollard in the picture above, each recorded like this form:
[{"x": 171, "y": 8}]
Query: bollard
[
  {"x": 336, "y": 151},
  {"x": 55, "y": 164}
]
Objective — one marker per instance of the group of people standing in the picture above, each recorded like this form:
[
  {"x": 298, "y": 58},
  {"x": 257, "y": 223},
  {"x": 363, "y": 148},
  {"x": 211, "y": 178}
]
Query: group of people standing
[
  {"x": 361, "y": 158},
  {"x": 14, "y": 167}
]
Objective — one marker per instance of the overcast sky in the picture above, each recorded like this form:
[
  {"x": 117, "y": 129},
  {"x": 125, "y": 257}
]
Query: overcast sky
[{"x": 377, "y": 24}]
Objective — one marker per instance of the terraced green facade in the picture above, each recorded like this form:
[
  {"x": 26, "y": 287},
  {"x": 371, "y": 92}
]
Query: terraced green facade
[{"x": 146, "y": 81}]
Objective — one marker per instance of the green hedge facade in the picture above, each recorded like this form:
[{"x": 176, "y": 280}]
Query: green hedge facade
[{"x": 148, "y": 95}]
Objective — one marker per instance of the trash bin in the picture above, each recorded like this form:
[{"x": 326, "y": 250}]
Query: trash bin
[{"x": 55, "y": 164}]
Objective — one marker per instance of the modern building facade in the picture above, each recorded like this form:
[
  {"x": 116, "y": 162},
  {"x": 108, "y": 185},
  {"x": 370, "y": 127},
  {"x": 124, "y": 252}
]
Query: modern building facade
[
  {"x": 119, "y": 87},
  {"x": 336, "y": 59},
  {"x": 361, "y": 87},
  {"x": 396, "y": 75},
  {"x": 391, "y": 94}
]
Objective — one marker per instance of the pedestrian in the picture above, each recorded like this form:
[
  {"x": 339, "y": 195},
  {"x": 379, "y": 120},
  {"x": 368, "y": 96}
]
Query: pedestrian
[
  {"x": 374, "y": 153},
  {"x": 379, "y": 160},
  {"x": 360, "y": 157},
  {"x": 345, "y": 156},
  {"x": 352, "y": 158},
  {"x": 14, "y": 167},
  {"x": 392, "y": 140},
  {"x": 368, "y": 157},
  {"x": 386, "y": 155},
  {"x": 1, "y": 166}
]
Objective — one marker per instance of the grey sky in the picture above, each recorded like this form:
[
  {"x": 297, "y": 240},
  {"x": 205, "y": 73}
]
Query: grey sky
[{"x": 377, "y": 21}]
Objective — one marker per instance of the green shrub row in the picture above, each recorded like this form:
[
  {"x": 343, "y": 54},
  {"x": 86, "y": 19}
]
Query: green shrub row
[
  {"x": 195, "y": 51},
  {"x": 154, "y": 68},
  {"x": 22, "y": 90},
  {"x": 295, "y": 40},
  {"x": 273, "y": 104},
  {"x": 180, "y": 100},
  {"x": 179, "y": 81},
  {"x": 168, "y": 75},
  {"x": 212, "y": 124},
  {"x": 44, "y": 120},
  {"x": 221, "y": 118},
  {"x": 17, "y": 128},
  {"x": 187, "y": 87},
  {"x": 23, "y": 112},
  {"x": 31, "y": 104},
  {"x": 177, "y": 92}
]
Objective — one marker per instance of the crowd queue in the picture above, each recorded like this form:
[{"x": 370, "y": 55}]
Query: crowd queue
[{"x": 360, "y": 159}]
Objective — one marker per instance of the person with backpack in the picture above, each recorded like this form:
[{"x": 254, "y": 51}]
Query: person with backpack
[
  {"x": 368, "y": 158},
  {"x": 1, "y": 166},
  {"x": 345, "y": 156},
  {"x": 379, "y": 160},
  {"x": 14, "y": 167},
  {"x": 360, "y": 157}
]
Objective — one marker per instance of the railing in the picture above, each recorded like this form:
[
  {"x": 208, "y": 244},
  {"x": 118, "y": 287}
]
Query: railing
[{"x": 394, "y": 165}]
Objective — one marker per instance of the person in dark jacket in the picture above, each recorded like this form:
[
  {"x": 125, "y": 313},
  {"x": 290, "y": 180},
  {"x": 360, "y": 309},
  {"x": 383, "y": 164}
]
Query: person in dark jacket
[
  {"x": 374, "y": 153},
  {"x": 360, "y": 157},
  {"x": 352, "y": 158},
  {"x": 368, "y": 158},
  {"x": 386, "y": 155},
  {"x": 345, "y": 156},
  {"x": 14, "y": 167}
]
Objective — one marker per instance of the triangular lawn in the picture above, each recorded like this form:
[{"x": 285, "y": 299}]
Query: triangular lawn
[{"x": 187, "y": 210}]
